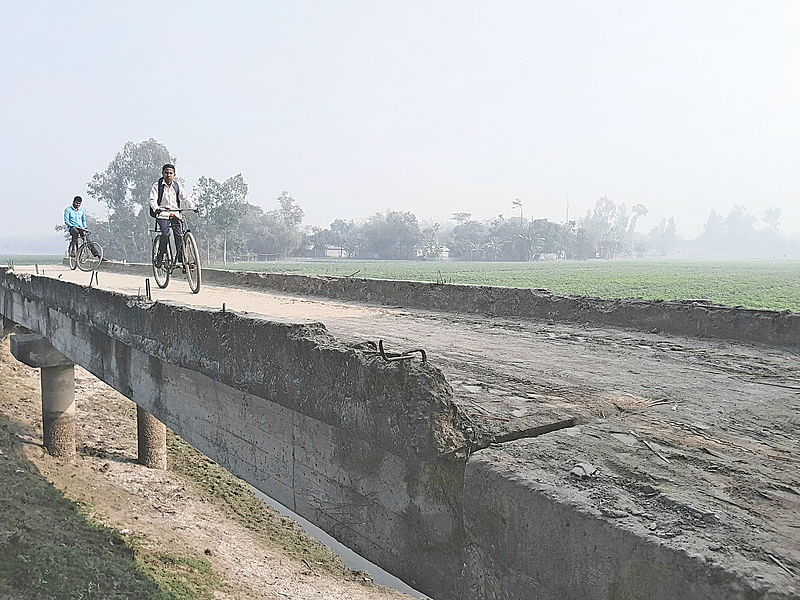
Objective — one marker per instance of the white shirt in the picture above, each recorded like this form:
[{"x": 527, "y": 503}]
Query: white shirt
[{"x": 169, "y": 199}]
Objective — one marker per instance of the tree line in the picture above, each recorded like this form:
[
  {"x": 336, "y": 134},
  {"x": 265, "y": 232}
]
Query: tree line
[{"x": 230, "y": 228}]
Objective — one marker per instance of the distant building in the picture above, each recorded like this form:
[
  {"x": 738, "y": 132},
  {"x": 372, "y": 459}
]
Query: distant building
[{"x": 336, "y": 252}]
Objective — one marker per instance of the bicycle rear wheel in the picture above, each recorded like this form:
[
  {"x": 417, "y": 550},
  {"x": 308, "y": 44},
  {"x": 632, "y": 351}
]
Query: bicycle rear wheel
[
  {"x": 90, "y": 256},
  {"x": 191, "y": 262},
  {"x": 72, "y": 253},
  {"x": 161, "y": 274}
]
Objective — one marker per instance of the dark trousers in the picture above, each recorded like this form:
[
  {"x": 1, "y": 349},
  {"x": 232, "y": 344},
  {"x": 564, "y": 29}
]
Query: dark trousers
[
  {"x": 164, "y": 225},
  {"x": 75, "y": 232}
]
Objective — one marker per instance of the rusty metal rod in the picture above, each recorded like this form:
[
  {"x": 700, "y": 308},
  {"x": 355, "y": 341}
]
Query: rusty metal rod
[{"x": 407, "y": 355}]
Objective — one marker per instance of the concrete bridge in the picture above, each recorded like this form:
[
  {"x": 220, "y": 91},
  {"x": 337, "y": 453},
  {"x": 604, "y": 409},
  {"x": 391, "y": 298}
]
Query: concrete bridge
[{"x": 549, "y": 446}]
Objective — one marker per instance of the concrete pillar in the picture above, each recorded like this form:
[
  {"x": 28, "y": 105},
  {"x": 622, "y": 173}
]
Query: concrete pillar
[
  {"x": 152, "y": 438},
  {"x": 58, "y": 410},
  {"x": 58, "y": 391}
]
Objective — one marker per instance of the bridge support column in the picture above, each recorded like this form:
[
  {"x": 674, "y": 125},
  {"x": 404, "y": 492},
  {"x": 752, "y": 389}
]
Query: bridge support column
[
  {"x": 152, "y": 439},
  {"x": 58, "y": 391}
]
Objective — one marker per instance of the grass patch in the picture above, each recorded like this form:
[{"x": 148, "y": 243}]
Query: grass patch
[
  {"x": 32, "y": 259},
  {"x": 215, "y": 482},
  {"x": 179, "y": 577},
  {"x": 765, "y": 284},
  {"x": 50, "y": 549}
]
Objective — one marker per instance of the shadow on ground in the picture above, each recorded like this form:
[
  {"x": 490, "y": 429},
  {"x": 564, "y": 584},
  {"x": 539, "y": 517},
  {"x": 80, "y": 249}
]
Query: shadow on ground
[{"x": 50, "y": 548}]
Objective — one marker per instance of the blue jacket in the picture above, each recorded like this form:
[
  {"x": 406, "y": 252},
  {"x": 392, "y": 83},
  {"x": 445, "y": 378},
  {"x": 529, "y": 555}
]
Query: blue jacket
[{"x": 74, "y": 218}]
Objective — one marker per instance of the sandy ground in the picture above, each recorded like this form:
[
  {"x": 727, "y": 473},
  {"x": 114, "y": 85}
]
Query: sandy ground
[
  {"x": 161, "y": 507},
  {"x": 724, "y": 415}
]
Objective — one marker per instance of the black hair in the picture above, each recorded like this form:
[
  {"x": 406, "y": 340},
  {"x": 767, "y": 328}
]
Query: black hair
[
  {"x": 167, "y": 166},
  {"x": 77, "y": 199}
]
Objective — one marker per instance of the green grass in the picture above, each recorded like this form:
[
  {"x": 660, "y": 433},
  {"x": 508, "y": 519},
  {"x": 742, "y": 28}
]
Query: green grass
[
  {"x": 213, "y": 481},
  {"x": 768, "y": 284},
  {"x": 31, "y": 259},
  {"x": 50, "y": 549}
]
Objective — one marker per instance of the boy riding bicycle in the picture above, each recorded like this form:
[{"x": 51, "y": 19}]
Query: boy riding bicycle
[
  {"x": 166, "y": 196},
  {"x": 75, "y": 219},
  {"x": 75, "y": 222}
]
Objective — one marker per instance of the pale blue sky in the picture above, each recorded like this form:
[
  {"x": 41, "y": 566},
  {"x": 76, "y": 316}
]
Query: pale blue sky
[{"x": 434, "y": 107}]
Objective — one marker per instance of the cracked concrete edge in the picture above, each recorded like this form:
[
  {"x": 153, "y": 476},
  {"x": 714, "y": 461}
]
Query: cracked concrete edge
[
  {"x": 697, "y": 318},
  {"x": 532, "y": 535}
]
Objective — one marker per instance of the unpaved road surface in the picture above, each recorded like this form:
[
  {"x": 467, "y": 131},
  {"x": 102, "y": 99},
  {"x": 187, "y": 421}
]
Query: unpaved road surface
[{"x": 710, "y": 425}]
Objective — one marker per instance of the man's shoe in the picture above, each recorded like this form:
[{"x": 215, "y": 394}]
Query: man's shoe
[{"x": 157, "y": 262}]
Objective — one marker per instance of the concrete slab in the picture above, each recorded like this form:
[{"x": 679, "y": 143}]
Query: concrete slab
[{"x": 606, "y": 510}]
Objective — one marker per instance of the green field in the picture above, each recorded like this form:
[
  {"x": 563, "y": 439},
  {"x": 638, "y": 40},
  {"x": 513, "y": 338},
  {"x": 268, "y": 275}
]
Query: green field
[
  {"x": 31, "y": 259},
  {"x": 770, "y": 284}
]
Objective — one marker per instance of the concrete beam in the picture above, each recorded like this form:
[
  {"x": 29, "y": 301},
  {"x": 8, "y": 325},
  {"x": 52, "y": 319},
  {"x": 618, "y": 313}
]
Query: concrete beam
[{"x": 35, "y": 351}]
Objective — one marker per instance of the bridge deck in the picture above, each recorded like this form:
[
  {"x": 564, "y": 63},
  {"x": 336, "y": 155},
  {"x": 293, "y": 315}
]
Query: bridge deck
[{"x": 694, "y": 440}]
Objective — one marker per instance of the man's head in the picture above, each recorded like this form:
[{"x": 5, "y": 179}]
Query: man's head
[
  {"x": 76, "y": 202},
  {"x": 168, "y": 173}
]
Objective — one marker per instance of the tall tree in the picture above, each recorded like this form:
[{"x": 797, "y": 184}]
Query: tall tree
[
  {"x": 429, "y": 238},
  {"x": 461, "y": 217},
  {"x": 663, "y": 238},
  {"x": 609, "y": 228},
  {"x": 469, "y": 238},
  {"x": 347, "y": 235},
  {"x": 772, "y": 217},
  {"x": 124, "y": 187},
  {"x": 289, "y": 211},
  {"x": 222, "y": 206},
  {"x": 740, "y": 224},
  {"x": 638, "y": 210},
  {"x": 393, "y": 234}
]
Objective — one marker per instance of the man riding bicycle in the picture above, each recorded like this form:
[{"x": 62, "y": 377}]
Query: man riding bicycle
[
  {"x": 166, "y": 196},
  {"x": 75, "y": 222},
  {"x": 75, "y": 219}
]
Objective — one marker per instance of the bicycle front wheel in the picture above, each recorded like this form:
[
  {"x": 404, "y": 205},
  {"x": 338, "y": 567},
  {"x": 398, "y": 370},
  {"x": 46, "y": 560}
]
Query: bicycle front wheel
[
  {"x": 90, "y": 256},
  {"x": 162, "y": 273},
  {"x": 72, "y": 253},
  {"x": 191, "y": 262}
]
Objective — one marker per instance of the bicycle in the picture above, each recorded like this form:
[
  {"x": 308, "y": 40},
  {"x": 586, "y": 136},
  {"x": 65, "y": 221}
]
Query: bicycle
[
  {"x": 169, "y": 262},
  {"x": 86, "y": 255}
]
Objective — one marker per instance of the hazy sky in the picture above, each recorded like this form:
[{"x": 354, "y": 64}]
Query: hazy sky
[{"x": 429, "y": 106}]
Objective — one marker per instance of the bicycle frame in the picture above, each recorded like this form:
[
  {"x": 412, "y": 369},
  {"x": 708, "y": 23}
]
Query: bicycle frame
[
  {"x": 186, "y": 248},
  {"x": 184, "y": 230},
  {"x": 77, "y": 248}
]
